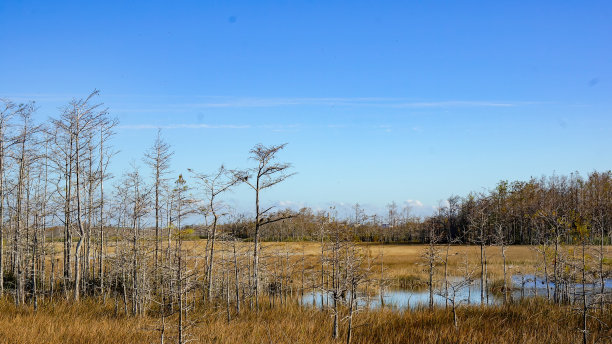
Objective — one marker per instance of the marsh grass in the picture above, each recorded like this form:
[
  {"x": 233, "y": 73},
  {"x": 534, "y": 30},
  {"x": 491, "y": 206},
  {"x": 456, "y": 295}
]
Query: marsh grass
[
  {"x": 409, "y": 282},
  {"x": 399, "y": 260},
  {"x": 496, "y": 287},
  {"x": 528, "y": 321},
  {"x": 92, "y": 321}
]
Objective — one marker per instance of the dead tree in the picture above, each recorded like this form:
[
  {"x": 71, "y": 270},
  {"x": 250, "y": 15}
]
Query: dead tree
[
  {"x": 582, "y": 233},
  {"x": 338, "y": 287},
  {"x": 431, "y": 256},
  {"x": 158, "y": 158},
  {"x": 183, "y": 204},
  {"x": 357, "y": 273},
  {"x": 450, "y": 293},
  {"x": 478, "y": 224},
  {"x": 105, "y": 154},
  {"x": 214, "y": 185},
  {"x": 78, "y": 120},
  {"x": 599, "y": 202},
  {"x": 62, "y": 157},
  {"x": 500, "y": 239},
  {"x": 24, "y": 157},
  {"x": 346, "y": 270},
  {"x": 266, "y": 174},
  {"x": 6, "y": 114},
  {"x": 138, "y": 206}
]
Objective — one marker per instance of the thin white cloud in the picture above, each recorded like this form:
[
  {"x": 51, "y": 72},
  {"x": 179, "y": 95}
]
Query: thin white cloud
[
  {"x": 44, "y": 97},
  {"x": 207, "y": 101},
  {"x": 454, "y": 104},
  {"x": 291, "y": 205},
  {"x": 345, "y": 102},
  {"x": 413, "y": 203},
  {"x": 182, "y": 126},
  {"x": 271, "y": 102},
  {"x": 272, "y": 127}
]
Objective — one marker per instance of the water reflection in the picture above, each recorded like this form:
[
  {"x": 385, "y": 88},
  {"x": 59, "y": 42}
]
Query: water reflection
[{"x": 523, "y": 286}]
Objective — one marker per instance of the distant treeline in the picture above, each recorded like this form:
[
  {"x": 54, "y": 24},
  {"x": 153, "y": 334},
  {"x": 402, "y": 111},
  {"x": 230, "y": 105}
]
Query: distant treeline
[{"x": 536, "y": 211}]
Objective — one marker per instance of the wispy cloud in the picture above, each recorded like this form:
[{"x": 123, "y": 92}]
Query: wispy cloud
[
  {"x": 272, "y": 127},
  {"x": 231, "y": 102},
  {"x": 42, "y": 97},
  {"x": 169, "y": 103},
  {"x": 220, "y": 102},
  {"x": 455, "y": 104},
  {"x": 183, "y": 126},
  {"x": 213, "y": 102}
]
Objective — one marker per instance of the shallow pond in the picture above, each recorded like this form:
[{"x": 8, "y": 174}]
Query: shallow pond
[{"x": 522, "y": 287}]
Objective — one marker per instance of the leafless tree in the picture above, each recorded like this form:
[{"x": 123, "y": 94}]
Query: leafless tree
[
  {"x": 451, "y": 292},
  {"x": 105, "y": 154},
  {"x": 158, "y": 158},
  {"x": 478, "y": 222},
  {"x": 431, "y": 257},
  {"x": 24, "y": 156},
  {"x": 7, "y": 111},
  {"x": 266, "y": 174},
  {"x": 500, "y": 239},
  {"x": 79, "y": 119},
  {"x": 214, "y": 185}
]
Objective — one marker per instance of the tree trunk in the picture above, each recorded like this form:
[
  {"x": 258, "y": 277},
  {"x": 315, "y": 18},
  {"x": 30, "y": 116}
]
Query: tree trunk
[
  {"x": 101, "y": 228},
  {"x": 349, "y": 331},
  {"x": 212, "y": 253},
  {"x": 256, "y": 248},
  {"x": 237, "y": 281},
  {"x": 503, "y": 252},
  {"x": 482, "y": 273},
  {"x": 584, "y": 300},
  {"x": 1, "y": 209},
  {"x": 77, "y": 254}
]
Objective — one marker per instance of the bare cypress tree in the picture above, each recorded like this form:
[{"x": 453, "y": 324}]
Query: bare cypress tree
[
  {"x": 554, "y": 217},
  {"x": 346, "y": 271},
  {"x": 120, "y": 261},
  {"x": 598, "y": 203},
  {"x": 106, "y": 132},
  {"x": 431, "y": 256},
  {"x": 183, "y": 204},
  {"x": 357, "y": 273},
  {"x": 62, "y": 158},
  {"x": 500, "y": 239},
  {"x": 450, "y": 293},
  {"x": 236, "y": 276},
  {"x": 36, "y": 209},
  {"x": 89, "y": 186},
  {"x": 266, "y": 174},
  {"x": 582, "y": 233},
  {"x": 20, "y": 156},
  {"x": 45, "y": 214},
  {"x": 6, "y": 113},
  {"x": 158, "y": 158},
  {"x": 137, "y": 205},
  {"x": 478, "y": 222},
  {"x": 214, "y": 185},
  {"x": 24, "y": 157},
  {"x": 78, "y": 120},
  {"x": 338, "y": 288}
]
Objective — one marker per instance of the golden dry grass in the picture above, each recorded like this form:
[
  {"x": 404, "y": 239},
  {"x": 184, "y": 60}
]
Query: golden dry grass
[
  {"x": 531, "y": 322},
  {"x": 86, "y": 322},
  {"x": 399, "y": 260},
  {"x": 406, "y": 260},
  {"x": 92, "y": 322}
]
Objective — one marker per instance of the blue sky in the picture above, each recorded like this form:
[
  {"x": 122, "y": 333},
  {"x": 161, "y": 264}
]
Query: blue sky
[{"x": 379, "y": 101}]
